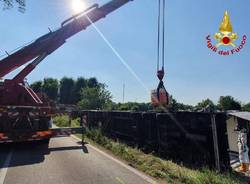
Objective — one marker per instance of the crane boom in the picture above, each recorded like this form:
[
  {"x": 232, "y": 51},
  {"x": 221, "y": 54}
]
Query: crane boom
[
  {"x": 24, "y": 114},
  {"x": 53, "y": 40}
]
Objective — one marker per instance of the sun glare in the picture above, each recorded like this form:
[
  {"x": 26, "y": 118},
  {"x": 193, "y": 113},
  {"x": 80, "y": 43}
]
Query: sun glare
[{"x": 78, "y": 6}]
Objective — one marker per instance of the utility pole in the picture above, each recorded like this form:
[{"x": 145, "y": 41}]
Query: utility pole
[{"x": 123, "y": 92}]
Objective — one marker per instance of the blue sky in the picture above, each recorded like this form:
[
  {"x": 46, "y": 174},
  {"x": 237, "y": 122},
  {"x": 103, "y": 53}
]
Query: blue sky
[{"x": 193, "y": 71}]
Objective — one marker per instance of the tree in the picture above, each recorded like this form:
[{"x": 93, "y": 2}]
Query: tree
[
  {"x": 176, "y": 106},
  {"x": 228, "y": 103},
  {"x": 145, "y": 107},
  {"x": 110, "y": 106},
  {"x": 7, "y": 4},
  {"x": 134, "y": 106},
  {"x": 205, "y": 104},
  {"x": 37, "y": 86},
  {"x": 66, "y": 90},
  {"x": 92, "y": 82},
  {"x": 246, "y": 107},
  {"x": 123, "y": 107},
  {"x": 94, "y": 98},
  {"x": 80, "y": 83},
  {"x": 50, "y": 87}
]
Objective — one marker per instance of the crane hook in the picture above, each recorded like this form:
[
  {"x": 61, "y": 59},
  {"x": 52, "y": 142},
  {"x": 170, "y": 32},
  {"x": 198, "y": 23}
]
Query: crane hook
[
  {"x": 160, "y": 96},
  {"x": 160, "y": 74}
]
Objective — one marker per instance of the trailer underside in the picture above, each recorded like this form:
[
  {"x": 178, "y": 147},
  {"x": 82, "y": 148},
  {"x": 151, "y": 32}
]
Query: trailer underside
[{"x": 29, "y": 123}]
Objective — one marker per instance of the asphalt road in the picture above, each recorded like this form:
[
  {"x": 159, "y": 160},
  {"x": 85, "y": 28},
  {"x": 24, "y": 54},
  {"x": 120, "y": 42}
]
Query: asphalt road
[{"x": 63, "y": 161}]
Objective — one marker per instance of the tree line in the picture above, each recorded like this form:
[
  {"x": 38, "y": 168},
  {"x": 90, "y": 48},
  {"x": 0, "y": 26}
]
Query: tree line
[
  {"x": 91, "y": 94},
  {"x": 86, "y": 93},
  {"x": 224, "y": 103}
]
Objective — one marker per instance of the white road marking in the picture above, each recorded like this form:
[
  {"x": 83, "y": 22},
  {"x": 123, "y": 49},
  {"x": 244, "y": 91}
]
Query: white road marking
[
  {"x": 5, "y": 166},
  {"x": 138, "y": 173}
]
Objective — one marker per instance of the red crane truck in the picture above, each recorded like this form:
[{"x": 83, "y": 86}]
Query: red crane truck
[{"x": 24, "y": 114}]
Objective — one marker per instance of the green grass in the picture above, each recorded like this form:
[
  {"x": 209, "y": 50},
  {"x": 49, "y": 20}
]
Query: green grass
[
  {"x": 63, "y": 121},
  {"x": 154, "y": 166}
]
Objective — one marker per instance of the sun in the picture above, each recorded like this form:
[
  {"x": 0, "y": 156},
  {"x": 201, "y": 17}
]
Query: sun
[{"x": 78, "y": 6}]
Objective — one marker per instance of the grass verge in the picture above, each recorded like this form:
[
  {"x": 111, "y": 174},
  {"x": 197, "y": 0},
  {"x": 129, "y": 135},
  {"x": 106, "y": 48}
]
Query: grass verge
[{"x": 156, "y": 167}]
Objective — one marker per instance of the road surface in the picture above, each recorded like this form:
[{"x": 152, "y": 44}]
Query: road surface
[{"x": 64, "y": 161}]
